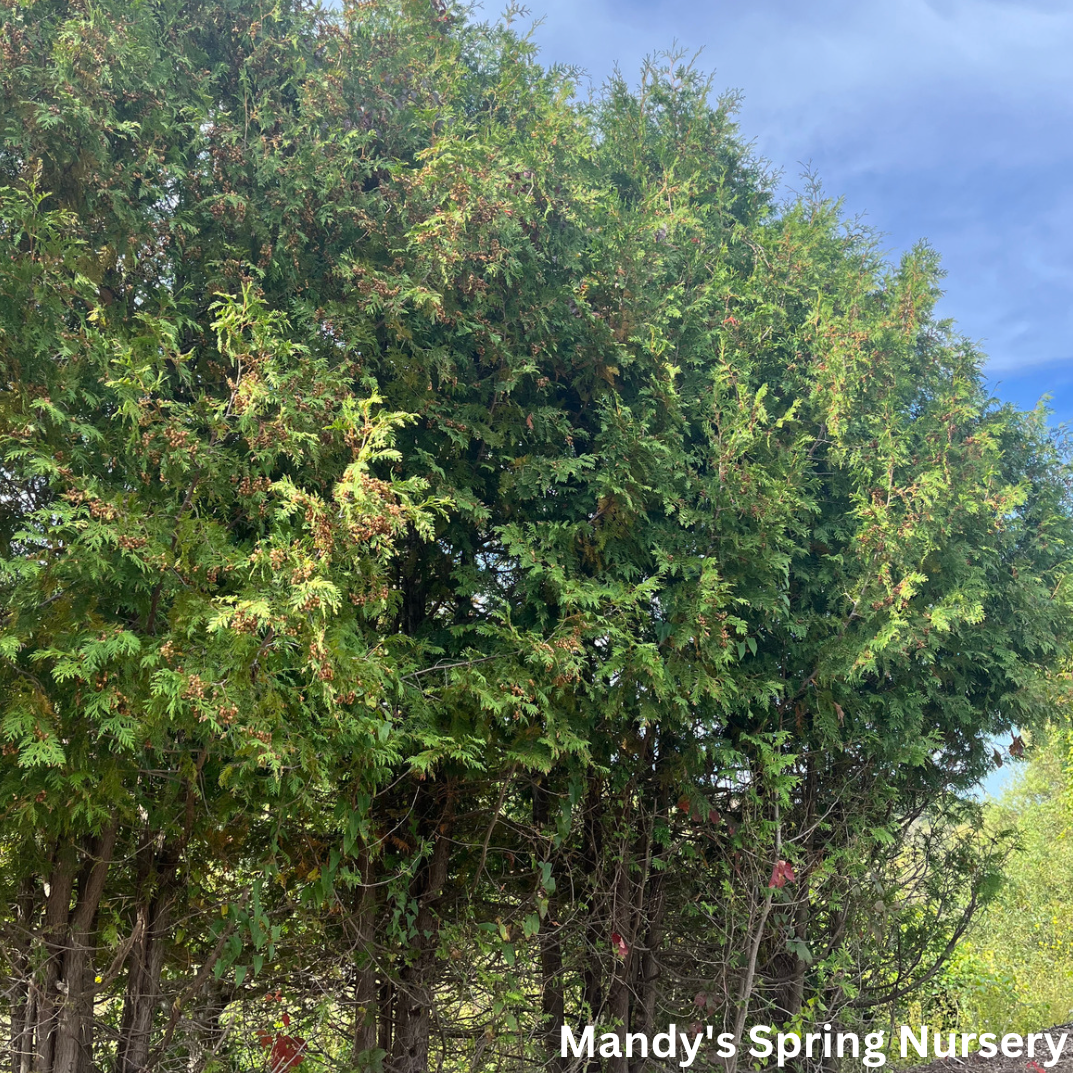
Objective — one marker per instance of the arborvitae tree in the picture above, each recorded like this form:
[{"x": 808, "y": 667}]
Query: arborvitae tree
[{"x": 471, "y": 561}]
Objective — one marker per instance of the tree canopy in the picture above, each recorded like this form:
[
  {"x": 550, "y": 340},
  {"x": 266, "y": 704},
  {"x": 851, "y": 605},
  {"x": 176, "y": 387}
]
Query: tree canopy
[{"x": 472, "y": 560}]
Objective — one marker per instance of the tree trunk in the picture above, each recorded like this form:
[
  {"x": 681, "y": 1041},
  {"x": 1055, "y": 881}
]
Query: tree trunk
[
  {"x": 413, "y": 996},
  {"x": 74, "y": 1034},
  {"x": 51, "y": 988},
  {"x": 25, "y": 1054},
  {"x": 651, "y": 907},
  {"x": 633, "y": 862},
  {"x": 363, "y": 926},
  {"x": 618, "y": 990},
  {"x": 22, "y": 1008},
  {"x": 552, "y": 1001},
  {"x": 552, "y": 998},
  {"x": 386, "y": 1002},
  {"x": 156, "y": 889},
  {"x": 592, "y": 989},
  {"x": 648, "y": 973}
]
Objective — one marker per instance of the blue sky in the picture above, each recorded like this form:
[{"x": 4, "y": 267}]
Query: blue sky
[{"x": 949, "y": 120}]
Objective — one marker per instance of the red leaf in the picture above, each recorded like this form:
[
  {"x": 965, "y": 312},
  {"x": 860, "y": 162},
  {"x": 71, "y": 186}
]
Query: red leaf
[
  {"x": 618, "y": 944},
  {"x": 286, "y": 1020},
  {"x": 287, "y": 1052},
  {"x": 264, "y": 1038},
  {"x": 781, "y": 874}
]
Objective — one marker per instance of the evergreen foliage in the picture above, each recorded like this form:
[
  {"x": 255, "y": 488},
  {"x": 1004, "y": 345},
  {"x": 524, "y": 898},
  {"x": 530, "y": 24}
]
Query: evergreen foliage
[{"x": 470, "y": 560}]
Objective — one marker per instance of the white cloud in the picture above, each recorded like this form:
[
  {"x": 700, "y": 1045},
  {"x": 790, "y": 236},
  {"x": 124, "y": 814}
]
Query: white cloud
[{"x": 939, "y": 118}]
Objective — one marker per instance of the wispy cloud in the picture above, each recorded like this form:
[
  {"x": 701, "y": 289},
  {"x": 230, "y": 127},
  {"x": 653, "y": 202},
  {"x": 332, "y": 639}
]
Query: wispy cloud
[{"x": 945, "y": 119}]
